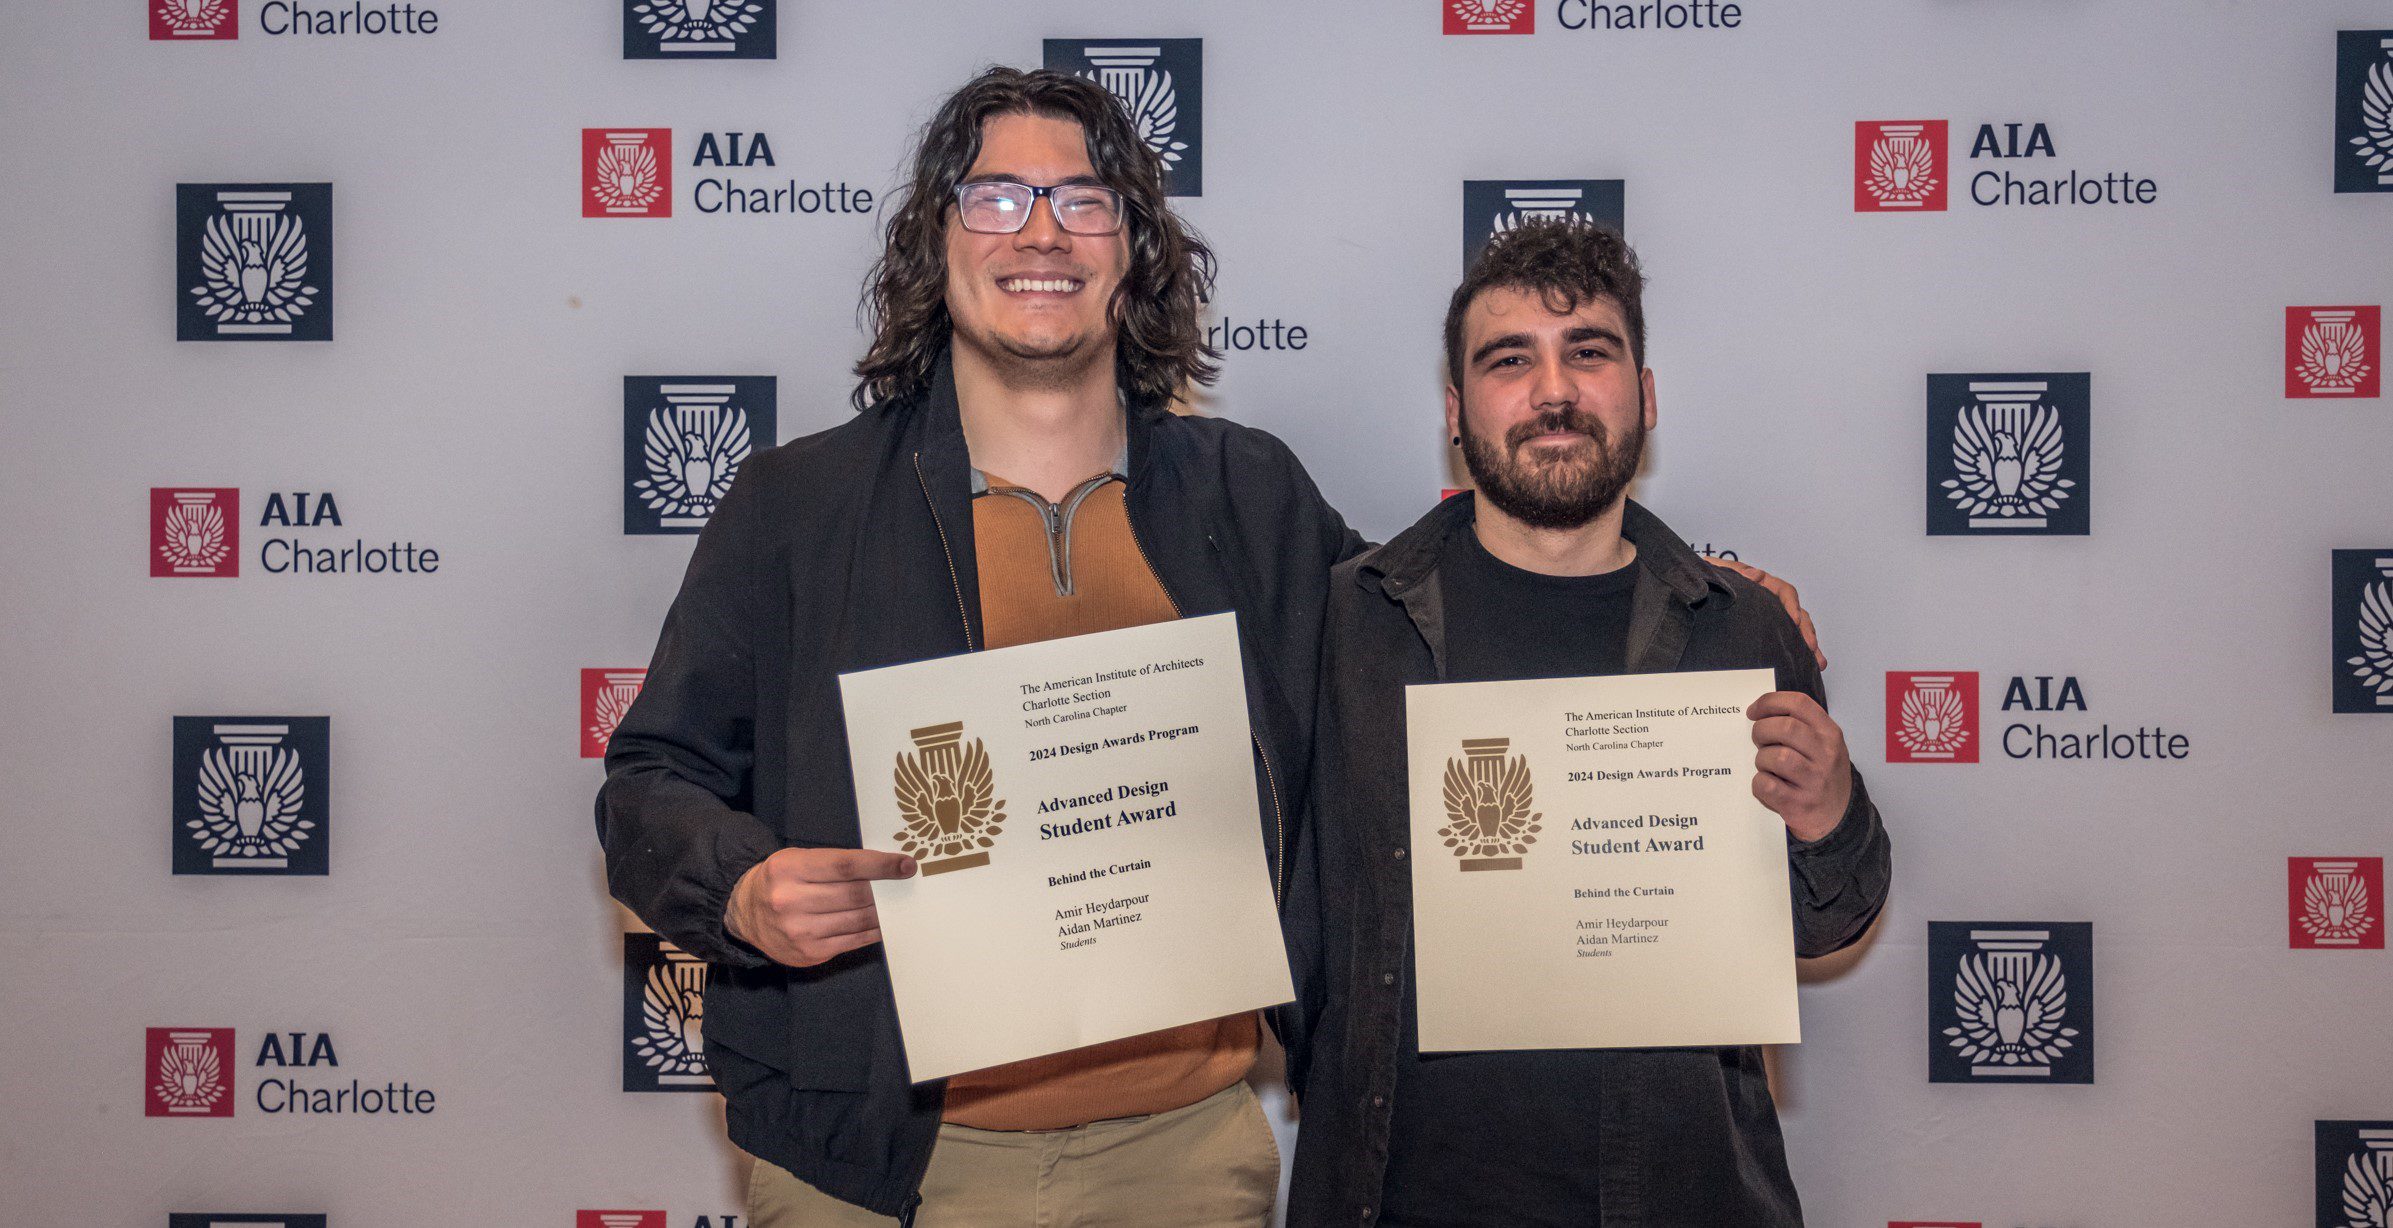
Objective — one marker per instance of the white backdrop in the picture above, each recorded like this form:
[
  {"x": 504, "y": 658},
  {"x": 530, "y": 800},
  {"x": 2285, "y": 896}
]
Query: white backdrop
[{"x": 471, "y": 402}]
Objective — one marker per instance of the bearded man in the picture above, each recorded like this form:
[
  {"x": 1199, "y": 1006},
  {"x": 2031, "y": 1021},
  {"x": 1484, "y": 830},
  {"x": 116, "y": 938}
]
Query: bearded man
[{"x": 1549, "y": 571}]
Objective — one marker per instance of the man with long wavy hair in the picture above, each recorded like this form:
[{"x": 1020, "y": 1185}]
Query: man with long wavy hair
[{"x": 1014, "y": 474}]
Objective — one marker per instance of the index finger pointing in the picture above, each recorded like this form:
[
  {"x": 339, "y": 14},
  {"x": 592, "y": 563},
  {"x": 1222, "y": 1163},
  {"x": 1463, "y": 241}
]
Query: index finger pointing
[{"x": 852, "y": 865}]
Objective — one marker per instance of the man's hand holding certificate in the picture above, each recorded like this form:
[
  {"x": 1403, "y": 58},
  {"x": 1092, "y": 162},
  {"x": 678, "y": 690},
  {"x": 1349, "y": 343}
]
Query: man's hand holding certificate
[
  {"x": 1594, "y": 866},
  {"x": 1082, "y": 812}
]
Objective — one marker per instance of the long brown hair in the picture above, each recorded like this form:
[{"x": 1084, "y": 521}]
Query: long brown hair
[{"x": 1160, "y": 342}]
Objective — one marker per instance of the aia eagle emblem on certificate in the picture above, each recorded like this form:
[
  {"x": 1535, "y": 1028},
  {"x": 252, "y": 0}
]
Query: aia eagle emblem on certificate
[
  {"x": 1488, "y": 798},
  {"x": 949, "y": 799}
]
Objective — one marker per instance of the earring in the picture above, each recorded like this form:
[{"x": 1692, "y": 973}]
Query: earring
[{"x": 1458, "y": 441}]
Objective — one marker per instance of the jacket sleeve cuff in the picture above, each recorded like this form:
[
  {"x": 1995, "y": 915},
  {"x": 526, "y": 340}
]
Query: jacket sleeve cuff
[
  {"x": 1823, "y": 865},
  {"x": 1848, "y": 831},
  {"x": 736, "y": 851}
]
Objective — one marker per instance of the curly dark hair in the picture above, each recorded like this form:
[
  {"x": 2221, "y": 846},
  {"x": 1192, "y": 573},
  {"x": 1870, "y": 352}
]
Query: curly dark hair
[
  {"x": 1160, "y": 340},
  {"x": 1566, "y": 262}
]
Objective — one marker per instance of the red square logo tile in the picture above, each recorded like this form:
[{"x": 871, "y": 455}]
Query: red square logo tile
[
  {"x": 606, "y": 696},
  {"x": 187, "y": 1072},
  {"x": 1931, "y": 717},
  {"x": 2334, "y": 351},
  {"x": 195, "y": 531},
  {"x": 1490, "y": 17},
  {"x": 2335, "y": 903},
  {"x": 194, "y": 20},
  {"x": 1899, "y": 166},
  {"x": 627, "y": 172}
]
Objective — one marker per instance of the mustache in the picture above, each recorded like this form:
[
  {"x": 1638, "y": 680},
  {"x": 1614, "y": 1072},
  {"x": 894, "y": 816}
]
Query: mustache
[{"x": 1567, "y": 418}]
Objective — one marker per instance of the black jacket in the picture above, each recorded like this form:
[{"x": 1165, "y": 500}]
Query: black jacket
[
  {"x": 1690, "y": 1138},
  {"x": 852, "y": 549}
]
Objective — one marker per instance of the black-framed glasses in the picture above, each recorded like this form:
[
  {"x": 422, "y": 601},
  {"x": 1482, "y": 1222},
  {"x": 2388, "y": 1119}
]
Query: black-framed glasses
[{"x": 1002, "y": 207}]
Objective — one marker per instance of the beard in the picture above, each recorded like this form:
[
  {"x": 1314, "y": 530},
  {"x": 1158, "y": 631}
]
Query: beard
[{"x": 1554, "y": 492}]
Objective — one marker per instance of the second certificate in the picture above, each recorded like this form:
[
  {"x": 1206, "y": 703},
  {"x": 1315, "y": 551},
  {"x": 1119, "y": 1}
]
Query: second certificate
[{"x": 1591, "y": 869}]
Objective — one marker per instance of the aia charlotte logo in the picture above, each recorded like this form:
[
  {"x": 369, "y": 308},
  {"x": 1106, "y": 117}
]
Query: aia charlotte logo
[
  {"x": 187, "y": 1072},
  {"x": 2363, "y": 632},
  {"x": 1490, "y": 17},
  {"x": 1899, "y": 166},
  {"x": 606, "y": 696},
  {"x": 699, "y": 29},
  {"x": 627, "y": 172},
  {"x": 178, "y": 20},
  {"x": 684, "y": 439},
  {"x": 253, "y": 262},
  {"x": 2333, "y": 351},
  {"x": 1162, "y": 83},
  {"x": 2335, "y": 903},
  {"x": 219, "y": 1219},
  {"x": 2009, "y": 454},
  {"x": 2010, "y": 1002},
  {"x": 195, "y": 531},
  {"x": 2364, "y": 111},
  {"x": 1932, "y": 717},
  {"x": 252, "y": 794},
  {"x": 1494, "y": 207},
  {"x": 2355, "y": 1174},
  {"x": 1934, "y": 1223},
  {"x": 618, "y": 1219},
  {"x": 664, "y": 1012}
]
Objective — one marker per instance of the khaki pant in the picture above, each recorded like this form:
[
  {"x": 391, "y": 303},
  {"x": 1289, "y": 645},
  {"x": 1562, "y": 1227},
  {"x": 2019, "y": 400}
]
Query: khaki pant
[{"x": 1213, "y": 1164}]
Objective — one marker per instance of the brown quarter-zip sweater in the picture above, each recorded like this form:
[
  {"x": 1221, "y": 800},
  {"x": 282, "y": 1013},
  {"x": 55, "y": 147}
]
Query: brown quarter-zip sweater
[{"x": 1049, "y": 570}]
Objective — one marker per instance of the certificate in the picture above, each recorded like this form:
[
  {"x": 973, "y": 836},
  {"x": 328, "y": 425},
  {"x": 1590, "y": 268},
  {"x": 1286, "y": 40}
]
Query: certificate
[
  {"x": 1092, "y": 862},
  {"x": 1590, "y": 868}
]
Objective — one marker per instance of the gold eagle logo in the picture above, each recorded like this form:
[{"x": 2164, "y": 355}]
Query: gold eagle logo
[
  {"x": 1489, "y": 823},
  {"x": 949, "y": 798}
]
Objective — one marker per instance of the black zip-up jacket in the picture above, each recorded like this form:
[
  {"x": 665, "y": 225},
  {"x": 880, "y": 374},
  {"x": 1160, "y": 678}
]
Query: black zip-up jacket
[
  {"x": 852, "y": 549},
  {"x": 1689, "y": 1136}
]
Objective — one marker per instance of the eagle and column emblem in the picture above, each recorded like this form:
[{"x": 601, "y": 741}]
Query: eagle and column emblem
[
  {"x": 1491, "y": 818},
  {"x": 948, "y": 795},
  {"x": 2007, "y": 451},
  {"x": 252, "y": 795},
  {"x": 2011, "y": 998},
  {"x": 2368, "y": 1180},
  {"x": 253, "y": 258}
]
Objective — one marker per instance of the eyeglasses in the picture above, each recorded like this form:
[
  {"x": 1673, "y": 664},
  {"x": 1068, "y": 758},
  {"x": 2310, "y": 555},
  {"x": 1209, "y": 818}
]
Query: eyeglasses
[{"x": 1002, "y": 207}]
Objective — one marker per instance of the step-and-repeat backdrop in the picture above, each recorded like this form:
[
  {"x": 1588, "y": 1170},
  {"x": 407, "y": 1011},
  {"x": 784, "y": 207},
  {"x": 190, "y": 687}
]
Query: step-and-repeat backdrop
[{"x": 370, "y": 367}]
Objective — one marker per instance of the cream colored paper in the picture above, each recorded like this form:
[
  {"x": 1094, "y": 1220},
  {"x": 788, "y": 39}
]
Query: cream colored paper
[
  {"x": 1590, "y": 867},
  {"x": 1124, "y": 890}
]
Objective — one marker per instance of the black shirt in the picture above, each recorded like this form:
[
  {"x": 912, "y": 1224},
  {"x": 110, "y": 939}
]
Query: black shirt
[{"x": 1505, "y": 1138}]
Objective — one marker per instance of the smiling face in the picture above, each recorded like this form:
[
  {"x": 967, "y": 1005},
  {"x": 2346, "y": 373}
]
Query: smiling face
[
  {"x": 1552, "y": 409},
  {"x": 1036, "y": 302}
]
